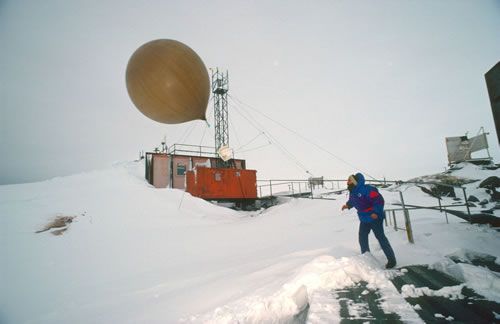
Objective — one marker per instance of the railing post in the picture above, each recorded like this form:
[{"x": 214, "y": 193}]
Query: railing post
[
  {"x": 441, "y": 210},
  {"x": 385, "y": 218},
  {"x": 271, "y": 188},
  {"x": 467, "y": 205},
  {"x": 293, "y": 191},
  {"x": 394, "y": 218},
  {"x": 409, "y": 231}
]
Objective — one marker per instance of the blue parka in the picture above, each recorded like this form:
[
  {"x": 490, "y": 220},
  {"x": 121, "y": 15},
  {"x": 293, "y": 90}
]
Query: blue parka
[{"x": 366, "y": 199}]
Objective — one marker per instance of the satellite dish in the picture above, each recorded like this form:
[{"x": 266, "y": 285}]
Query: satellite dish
[
  {"x": 225, "y": 153},
  {"x": 168, "y": 82}
]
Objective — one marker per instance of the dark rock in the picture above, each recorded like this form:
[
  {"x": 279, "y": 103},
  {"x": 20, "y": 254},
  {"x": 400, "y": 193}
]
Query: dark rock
[
  {"x": 442, "y": 191},
  {"x": 428, "y": 191},
  {"x": 454, "y": 167},
  {"x": 483, "y": 202},
  {"x": 471, "y": 204},
  {"x": 457, "y": 199},
  {"x": 495, "y": 196},
  {"x": 487, "y": 211},
  {"x": 473, "y": 198},
  {"x": 482, "y": 162},
  {"x": 490, "y": 183}
]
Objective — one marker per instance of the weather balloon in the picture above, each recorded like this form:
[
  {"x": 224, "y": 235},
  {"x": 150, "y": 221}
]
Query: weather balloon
[{"x": 168, "y": 82}]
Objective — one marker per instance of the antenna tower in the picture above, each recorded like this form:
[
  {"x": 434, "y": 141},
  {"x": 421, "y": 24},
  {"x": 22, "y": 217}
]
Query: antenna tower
[{"x": 220, "y": 86}]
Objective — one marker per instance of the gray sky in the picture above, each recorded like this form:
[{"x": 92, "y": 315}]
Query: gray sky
[{"x": 378, "y": 84}]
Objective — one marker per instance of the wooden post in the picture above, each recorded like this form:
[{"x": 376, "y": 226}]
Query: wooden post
[
  {"x": 394, "y": 218},
  {"x": 409, "y": 231},
  {"x": 467, "y": 204}
]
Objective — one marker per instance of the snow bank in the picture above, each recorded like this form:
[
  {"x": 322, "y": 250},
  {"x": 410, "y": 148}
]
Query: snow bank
[{"x": 311, "y": 285}]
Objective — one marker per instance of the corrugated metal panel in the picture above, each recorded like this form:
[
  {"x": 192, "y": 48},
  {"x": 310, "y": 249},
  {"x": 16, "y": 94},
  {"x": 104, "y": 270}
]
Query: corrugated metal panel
[
  {"x": 493, "y": 84},
  {"x": 180, "y": 167},
  {"x": 157, "y": 169},
  {"x": 218, "y": 183},
  {"x": 160, "y": 170}
]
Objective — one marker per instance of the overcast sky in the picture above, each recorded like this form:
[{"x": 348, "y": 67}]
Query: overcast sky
[{"x": 378, "y": 84}]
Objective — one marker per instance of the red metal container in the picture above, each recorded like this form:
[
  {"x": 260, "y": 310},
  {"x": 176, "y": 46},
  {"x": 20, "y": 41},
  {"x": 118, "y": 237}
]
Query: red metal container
[{"x": 219, "y": 183}]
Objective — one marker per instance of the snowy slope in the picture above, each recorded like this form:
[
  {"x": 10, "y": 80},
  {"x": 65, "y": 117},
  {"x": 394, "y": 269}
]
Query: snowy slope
[{"x": 134, "y": 253}]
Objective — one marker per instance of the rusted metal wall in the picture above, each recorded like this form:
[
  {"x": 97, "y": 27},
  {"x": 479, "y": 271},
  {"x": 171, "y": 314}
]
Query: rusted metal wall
[{"x": 214, "y": 183}]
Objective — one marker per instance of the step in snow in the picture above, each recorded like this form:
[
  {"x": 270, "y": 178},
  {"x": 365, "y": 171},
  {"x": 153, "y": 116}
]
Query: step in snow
[{"x": 323, "y": 307}]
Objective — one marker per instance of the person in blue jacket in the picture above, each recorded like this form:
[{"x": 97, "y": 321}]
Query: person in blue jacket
[{"x": 370, "y": 206}]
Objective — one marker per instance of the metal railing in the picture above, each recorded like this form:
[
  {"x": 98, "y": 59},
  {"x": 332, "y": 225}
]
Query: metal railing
[
  {"x": 302, "y": 188},
  {"x": 292, "y": 187},
  {"x": 284, "y": 187},
  {"x": 186, "y": 149},
  {"x": 406, "y": 213},
  {"x": 298, "y": 187}
]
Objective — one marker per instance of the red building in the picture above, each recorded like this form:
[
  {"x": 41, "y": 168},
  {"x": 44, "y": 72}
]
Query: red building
[{"x": 194, "y": 169}]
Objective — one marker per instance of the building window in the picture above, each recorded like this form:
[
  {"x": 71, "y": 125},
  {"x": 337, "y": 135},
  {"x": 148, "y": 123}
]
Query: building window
[{"x": 181, "y": 169}]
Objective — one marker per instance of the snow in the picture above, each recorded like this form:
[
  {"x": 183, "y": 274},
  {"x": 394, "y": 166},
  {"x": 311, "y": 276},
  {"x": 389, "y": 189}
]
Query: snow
[
  {"x": 454, "y": 292},
  {"x": 136, "y": 254},
  {"x": 482, "y": 280},
  {"x": 449, "y": 318}
]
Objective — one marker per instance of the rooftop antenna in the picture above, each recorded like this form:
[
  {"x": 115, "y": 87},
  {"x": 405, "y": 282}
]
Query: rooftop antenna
[{"x": 163, "y": 144}]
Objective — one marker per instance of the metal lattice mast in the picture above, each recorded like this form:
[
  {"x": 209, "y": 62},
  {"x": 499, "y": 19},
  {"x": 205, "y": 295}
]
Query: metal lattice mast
[{"x": 220, "y": 86}]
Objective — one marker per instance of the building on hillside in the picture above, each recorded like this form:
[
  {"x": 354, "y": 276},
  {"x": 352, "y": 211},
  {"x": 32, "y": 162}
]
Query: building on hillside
[{"x": 168, "y": 169}]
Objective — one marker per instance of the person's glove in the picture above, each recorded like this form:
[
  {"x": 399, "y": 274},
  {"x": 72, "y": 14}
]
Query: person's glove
[
  {"x": 374, "y": 216},
  {"x": 345, "y": 207}
]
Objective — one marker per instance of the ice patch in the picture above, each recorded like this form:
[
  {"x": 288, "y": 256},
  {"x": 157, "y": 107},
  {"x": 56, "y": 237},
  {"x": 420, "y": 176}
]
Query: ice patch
[{"x": 481, "y": 280}]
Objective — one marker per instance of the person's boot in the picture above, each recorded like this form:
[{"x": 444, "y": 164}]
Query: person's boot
[{"x": 390, "y": 264}]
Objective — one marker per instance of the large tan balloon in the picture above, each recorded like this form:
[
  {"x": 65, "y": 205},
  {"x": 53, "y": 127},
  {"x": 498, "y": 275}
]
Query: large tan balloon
[{"x": 168, "y": 82}]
